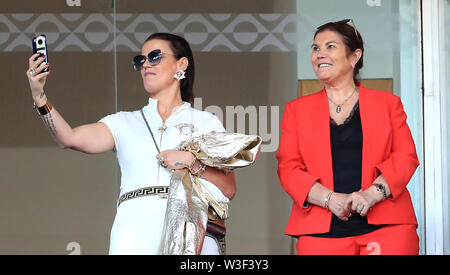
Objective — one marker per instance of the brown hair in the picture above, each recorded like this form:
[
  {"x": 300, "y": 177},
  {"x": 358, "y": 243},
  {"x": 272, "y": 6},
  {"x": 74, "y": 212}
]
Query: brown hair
[{"x": 351, "y": 38}]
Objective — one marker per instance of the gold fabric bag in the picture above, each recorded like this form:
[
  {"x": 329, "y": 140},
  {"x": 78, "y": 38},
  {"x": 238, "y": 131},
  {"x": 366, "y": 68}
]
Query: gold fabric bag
[{"x": 189, "y": 203}]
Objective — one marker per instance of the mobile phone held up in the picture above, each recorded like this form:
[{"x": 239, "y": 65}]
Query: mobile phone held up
[{"x": 40, "y": 46}]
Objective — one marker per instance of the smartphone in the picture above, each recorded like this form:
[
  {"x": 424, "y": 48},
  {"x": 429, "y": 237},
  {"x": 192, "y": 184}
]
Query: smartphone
[{"x": 40, "y": 46}]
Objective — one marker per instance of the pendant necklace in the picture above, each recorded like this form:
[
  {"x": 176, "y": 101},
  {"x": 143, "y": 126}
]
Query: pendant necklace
[{"x": 339, "y": 106}]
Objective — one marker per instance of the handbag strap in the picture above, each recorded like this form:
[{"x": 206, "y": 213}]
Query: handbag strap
[{"x": 150, "y": 130}]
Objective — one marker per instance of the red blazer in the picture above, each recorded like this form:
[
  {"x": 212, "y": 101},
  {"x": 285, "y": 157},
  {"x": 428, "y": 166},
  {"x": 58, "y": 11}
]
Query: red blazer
[{"x": 304, "y": 157}]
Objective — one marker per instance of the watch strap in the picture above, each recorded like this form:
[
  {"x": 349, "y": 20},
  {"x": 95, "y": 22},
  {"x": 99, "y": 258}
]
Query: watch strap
[{"x": 380, "y": 188}]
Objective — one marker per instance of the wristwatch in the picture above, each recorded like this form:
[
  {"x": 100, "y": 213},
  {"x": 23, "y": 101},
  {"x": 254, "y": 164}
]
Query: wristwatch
[{"x": 380, "y": 188}]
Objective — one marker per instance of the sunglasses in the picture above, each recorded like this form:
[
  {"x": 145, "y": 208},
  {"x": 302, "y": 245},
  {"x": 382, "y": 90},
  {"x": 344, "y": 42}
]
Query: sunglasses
[
  {"x": 342, "y": 22},
  {"x": 154, "y": 58}
]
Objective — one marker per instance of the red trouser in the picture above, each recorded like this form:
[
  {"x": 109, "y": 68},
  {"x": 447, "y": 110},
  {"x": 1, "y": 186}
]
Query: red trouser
[{"x": 389, "y": 240}]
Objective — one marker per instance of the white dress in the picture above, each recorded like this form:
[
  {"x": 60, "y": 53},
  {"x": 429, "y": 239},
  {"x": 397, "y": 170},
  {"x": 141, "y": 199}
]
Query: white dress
[{"x": 138, "y": 224}]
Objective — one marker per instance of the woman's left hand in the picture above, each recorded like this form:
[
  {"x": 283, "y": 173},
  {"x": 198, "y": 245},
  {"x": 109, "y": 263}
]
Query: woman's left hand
[
  {"x": 174, "y": 159},
  {"x": 363, "y": 201}
]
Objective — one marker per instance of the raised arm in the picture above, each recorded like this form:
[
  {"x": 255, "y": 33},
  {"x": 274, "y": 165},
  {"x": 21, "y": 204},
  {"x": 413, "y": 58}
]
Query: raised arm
[{"x": 91, "y": 138}]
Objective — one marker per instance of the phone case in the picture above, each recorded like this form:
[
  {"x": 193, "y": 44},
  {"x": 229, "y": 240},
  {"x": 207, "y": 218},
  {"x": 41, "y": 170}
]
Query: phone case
[{"x": 40, "y": 46}]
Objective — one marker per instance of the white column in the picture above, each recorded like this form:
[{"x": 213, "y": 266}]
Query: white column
[
  {"x": 444, "y": 8},
  {"x": 434, "y": 89}
]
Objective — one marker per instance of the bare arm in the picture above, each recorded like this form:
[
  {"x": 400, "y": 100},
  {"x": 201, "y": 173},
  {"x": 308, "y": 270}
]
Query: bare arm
[
  {"x": 225, "y": 182},
  {"x": 90, "y": 138}
]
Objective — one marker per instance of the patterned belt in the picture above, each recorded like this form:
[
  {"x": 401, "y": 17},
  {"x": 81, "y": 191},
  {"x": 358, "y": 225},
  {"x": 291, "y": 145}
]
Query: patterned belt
[{"x": 161, "y": 191}]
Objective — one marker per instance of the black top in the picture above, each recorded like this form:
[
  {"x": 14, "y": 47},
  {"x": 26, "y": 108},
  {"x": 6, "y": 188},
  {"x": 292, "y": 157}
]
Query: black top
[{"x": 346, "y": 149}]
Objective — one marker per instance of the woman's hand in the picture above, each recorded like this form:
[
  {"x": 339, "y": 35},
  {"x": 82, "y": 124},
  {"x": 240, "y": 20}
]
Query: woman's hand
[
  {"x": 339, "y": 204},
  {"x": 36, "y": 77},
  {"x": 174, "y": 159},
  {"x": 362, "y": 201}
]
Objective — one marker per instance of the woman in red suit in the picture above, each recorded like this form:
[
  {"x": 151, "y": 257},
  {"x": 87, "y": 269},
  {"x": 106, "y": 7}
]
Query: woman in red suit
[{"x": 346, "y": 155}]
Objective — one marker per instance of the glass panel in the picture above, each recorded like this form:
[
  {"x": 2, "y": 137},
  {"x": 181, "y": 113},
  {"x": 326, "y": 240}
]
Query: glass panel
[
  {"x": 56, "y": 201},
  {"x": 391, "y": 32},
  {"x": 409, "y": 75},
  {"x": 245, "y": 64},
  {"x": 61, "y": 201}
]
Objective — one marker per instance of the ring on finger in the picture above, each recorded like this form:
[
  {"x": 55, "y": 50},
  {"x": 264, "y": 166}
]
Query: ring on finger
[
  {"x": 32, "y": 71},
  {"x": 161, "y": 160},
  {"x": 360, "y": 208}
]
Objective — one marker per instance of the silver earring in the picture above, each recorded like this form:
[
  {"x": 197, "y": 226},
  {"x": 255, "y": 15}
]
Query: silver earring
[{"x": 180, "y": 75}]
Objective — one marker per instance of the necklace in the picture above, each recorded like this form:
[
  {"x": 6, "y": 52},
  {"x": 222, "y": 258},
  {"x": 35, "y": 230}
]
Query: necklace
[{"x": 339, "y": 106}]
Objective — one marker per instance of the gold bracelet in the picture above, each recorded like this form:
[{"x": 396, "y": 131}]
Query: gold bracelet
[
  {"x": 193, "y": 162},
  {"x": 200, "y": 170}
]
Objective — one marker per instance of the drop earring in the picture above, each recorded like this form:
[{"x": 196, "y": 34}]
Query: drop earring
[{"x": 180, "y": 75}]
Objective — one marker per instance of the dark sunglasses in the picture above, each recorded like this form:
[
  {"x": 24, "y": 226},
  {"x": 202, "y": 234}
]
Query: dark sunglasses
[
  {"x": 154, "y": 58},
  {"x": 342, "y": 22}
]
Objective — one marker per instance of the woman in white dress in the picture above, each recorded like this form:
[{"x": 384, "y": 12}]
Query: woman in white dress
[{"x": 145, "y": 142}]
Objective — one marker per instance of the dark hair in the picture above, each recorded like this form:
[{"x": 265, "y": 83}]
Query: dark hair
[
  {"x": 351, "y": 38},
  {"x": 180, "y": 48}
]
